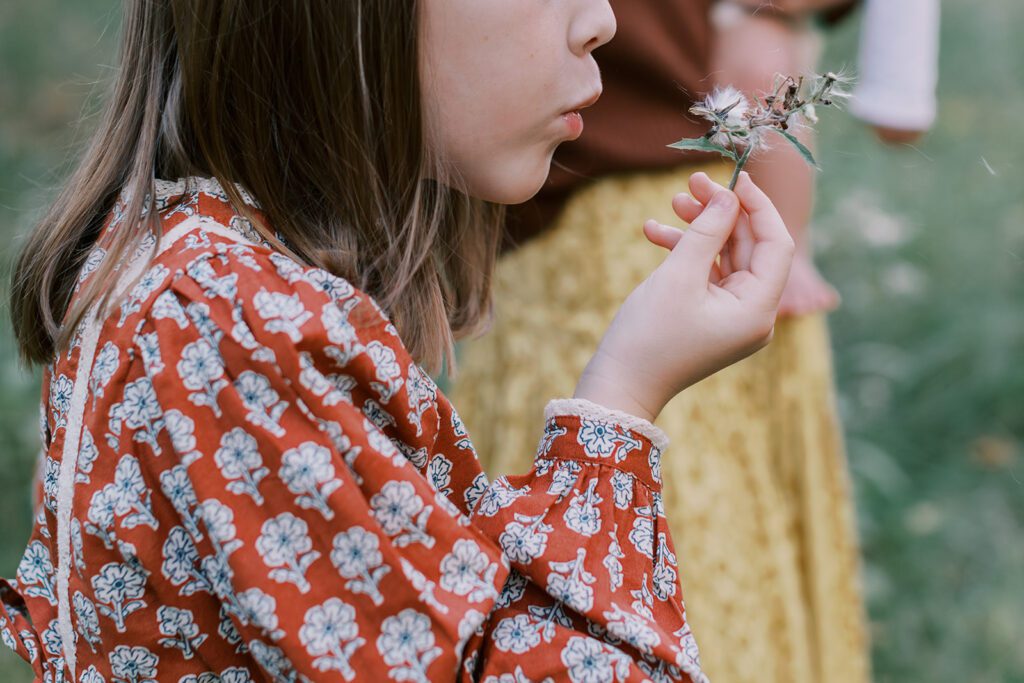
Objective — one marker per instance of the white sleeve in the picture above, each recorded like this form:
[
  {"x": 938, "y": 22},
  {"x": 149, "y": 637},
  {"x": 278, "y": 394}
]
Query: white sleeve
[{"x": 898, "y": 64}]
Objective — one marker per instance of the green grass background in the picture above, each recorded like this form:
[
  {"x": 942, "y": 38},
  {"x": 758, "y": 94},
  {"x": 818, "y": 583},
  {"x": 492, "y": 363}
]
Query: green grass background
[{"x": 926, "y": 244}]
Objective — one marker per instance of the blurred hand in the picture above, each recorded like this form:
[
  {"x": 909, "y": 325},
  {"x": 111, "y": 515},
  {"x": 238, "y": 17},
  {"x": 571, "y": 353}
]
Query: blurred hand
[{"x": 712, "y": 302}]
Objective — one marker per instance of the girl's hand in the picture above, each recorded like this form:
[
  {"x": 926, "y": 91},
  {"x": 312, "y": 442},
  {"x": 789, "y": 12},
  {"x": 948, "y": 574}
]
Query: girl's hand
[{"x": 696, "y": 313}]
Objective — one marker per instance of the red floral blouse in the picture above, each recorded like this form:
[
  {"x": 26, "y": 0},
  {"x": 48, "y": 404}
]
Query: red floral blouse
[{"x": 246, "y": 477}]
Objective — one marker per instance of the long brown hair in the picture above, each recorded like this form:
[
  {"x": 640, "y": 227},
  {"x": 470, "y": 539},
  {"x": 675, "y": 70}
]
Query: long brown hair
[{"x": 314, "y": 107}]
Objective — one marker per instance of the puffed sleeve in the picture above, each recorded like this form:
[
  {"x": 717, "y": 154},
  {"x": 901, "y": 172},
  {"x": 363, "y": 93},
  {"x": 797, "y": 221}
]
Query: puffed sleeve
[
  {"x": 352, "y": 524},
  {"x": 595, "y": 577}
]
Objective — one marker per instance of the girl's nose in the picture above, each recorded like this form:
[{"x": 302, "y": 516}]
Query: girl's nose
[{"x": 594, "y": 26}]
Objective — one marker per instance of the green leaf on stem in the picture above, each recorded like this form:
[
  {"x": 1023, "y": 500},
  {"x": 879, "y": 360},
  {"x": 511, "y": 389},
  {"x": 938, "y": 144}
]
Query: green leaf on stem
[
  {"x": 703, "y": 145},
  {"x": 800, "y": 147}
]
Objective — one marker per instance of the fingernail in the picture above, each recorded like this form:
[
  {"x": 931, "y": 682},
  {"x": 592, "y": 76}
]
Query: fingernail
[{"x": 723, "y": 199}]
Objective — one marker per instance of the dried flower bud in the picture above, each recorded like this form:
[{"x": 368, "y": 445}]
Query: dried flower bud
[{"x": 739, "y": 128}]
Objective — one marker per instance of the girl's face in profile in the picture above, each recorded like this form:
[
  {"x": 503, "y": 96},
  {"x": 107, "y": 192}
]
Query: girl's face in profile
[{"x": 501, "y": 79}]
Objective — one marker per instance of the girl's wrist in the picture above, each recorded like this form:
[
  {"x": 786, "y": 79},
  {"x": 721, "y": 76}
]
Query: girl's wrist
[{"x": 599, "y": 384}]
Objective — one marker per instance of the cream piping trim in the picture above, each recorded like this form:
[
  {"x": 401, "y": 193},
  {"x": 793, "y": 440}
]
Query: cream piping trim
[{"x": 73, "y": 430}]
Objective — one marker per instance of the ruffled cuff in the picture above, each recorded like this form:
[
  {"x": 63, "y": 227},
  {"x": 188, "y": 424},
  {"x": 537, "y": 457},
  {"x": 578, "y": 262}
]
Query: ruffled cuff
[{"x": 578, "y": 429}]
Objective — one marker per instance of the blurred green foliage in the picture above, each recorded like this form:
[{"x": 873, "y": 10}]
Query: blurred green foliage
[{"x": 926, "y": 244}]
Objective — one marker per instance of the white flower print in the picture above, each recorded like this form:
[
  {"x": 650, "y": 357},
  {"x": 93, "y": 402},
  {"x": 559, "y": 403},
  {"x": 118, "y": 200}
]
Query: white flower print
[
  {"x": 570, "y": 582},
  {"x": 199, "y": 313},
  {"x": 564, "y": 478},
  {"x": 406, "y": 643},
  {"x": 622, "y": 485},
  {"x": 88, "y": 622},
  {"x": 179, "y": 630},
  {"x": 92, "y": 262},
  {"x": 664, "y": 580},
  {"x": 688, "y": 656},
  {"x": 526, "y": 538},
  {"x": 424, "y": 585},
  {"x": 331, "y": 390},
  {"x": 141, "y": 411},
  {"x": 642, "y": 533},
  {"x": 259, "y": 609},
  {"x": 583, "y": 516},
  {"x": 214, "y": 286},
  {"x": 401, "y": 514},
  {"x": 130, "y": 495},
  {"x": 654, "y": 462},
  {"x": 387, "y": 370},
  {"x": 177, "y": 487},
  {"x": 422, "y": 396},
  {"x": 133, "y": 665},
  {"x": 379, "y": 418},
  {"x": 284, "y": 544},
  {"x": 439, "y": 474},
  {"x": 226, "y": 629},
  {"x": 118, "y": 588},
  {"x": 60, "y": 399},
  {"x": 51, "y": 472},
  {"x": 602, "y": 440},
  {"x": 36, "y": 573},
  {"x": 513, "y": 590},
  {"x": 273, "y": 661},
  {"x": 219, "y": 520},
  {"x": 308, "y": 472},
  {"x": 551, "y": 433},
  {"x": 51, "y": 640},
  {"x": 500, "y": 495},
  {"x": 335, "y": 287},
  {"x": 167, "y": 307},
  {"x": 357, "y": 557},
  {"x": 91, "y": 675},
  {"x": 287, "y": 268},
  {"x": 475, "y": 491},
  {"x": 589, "y": 661},
  {"x": 611, "y": 560},
  {"x": 181, "y": 563},
  {"x": 261, "y": 401},
  {"x": 149, "y": 347},
  {"x": 643, "y": 599},
  {"x": 106, "y": 363},
  {"x": 149, "y": 283},
  {"x": 87, "y": 454},
  {"x": 240, "y": 462},
  {"x": 632, "y": 628},
  {"x": 201, "y": 369},
  {"x": 284, "y": 313},
  {"x": 101, "y": 514},
  {"x": 468, "y": 571},
  {"x": 518, "y": 634},
  {"x": 330, "y": 633},
  {"x": 341, "y": 332},
  {"x": 181, "y": 429}
]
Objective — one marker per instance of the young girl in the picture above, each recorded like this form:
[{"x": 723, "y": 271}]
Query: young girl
[{"x": 247, "y": 475}]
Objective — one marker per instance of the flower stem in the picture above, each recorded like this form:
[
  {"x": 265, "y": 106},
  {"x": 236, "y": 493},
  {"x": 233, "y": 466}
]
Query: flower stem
[{"x": 739, "y": 167}]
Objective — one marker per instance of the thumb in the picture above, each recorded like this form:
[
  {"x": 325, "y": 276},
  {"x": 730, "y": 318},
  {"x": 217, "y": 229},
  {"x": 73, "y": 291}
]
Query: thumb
[{"x": 706, "y": 237}]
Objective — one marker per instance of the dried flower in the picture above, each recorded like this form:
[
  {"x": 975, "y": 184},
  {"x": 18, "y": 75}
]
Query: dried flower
[{"x": 738, "y": 129}]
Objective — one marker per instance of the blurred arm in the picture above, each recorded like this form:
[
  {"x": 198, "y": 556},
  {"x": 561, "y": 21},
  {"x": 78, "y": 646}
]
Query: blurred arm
[{"x": 898, "y": 65}]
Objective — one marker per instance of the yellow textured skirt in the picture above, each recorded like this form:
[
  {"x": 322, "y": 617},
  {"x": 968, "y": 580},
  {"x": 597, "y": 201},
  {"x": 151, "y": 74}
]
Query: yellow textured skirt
[{"x": 756, "y": 486}]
